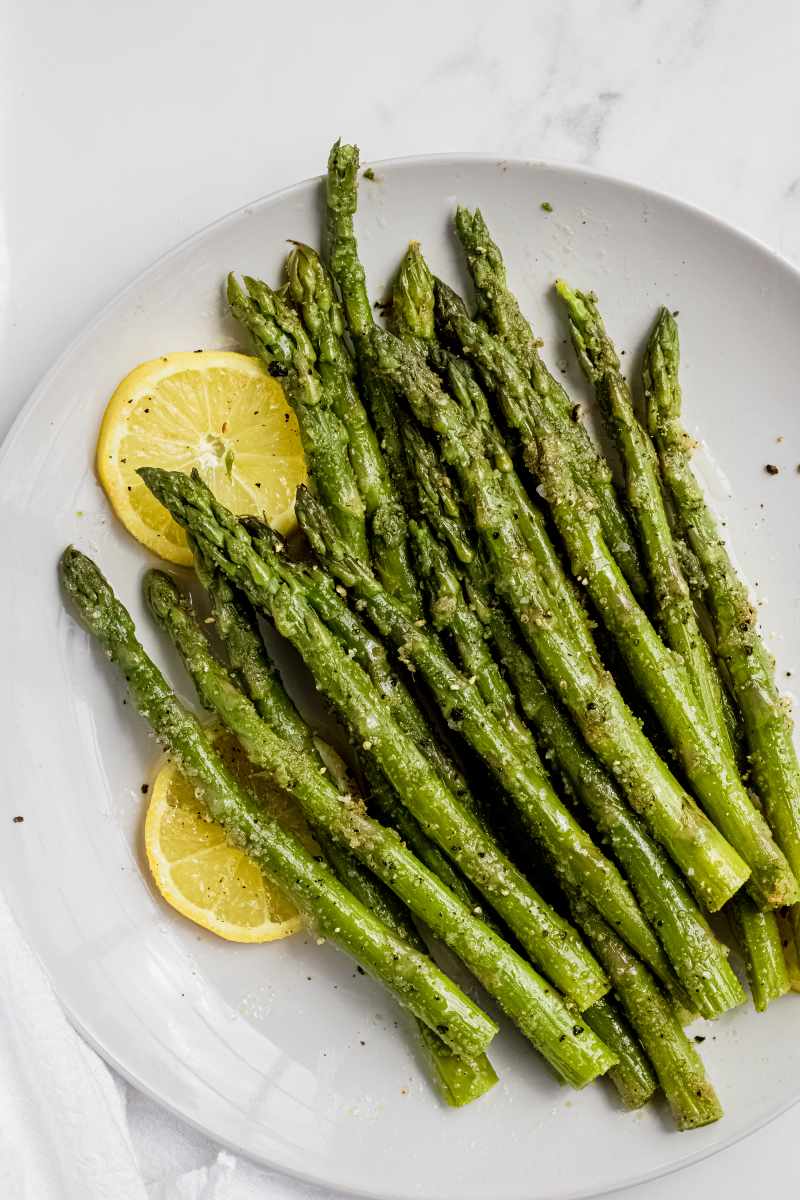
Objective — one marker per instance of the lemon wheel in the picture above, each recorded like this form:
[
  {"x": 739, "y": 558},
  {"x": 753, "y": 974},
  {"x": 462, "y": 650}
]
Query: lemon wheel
[
  {"x": 217, "y": 411},
  {"x": 200, "y": 873}
]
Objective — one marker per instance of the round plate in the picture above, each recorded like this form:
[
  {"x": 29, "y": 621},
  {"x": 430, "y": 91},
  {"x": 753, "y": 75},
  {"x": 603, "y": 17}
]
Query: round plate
[{"x": 285, "y": 1052}]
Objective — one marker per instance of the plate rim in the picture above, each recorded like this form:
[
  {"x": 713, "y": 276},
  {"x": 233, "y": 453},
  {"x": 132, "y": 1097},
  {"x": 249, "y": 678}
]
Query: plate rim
[{"x": 74, "y": 347}]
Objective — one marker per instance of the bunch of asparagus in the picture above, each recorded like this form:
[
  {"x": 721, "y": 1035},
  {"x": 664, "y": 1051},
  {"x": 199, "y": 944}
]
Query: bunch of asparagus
[{"x": 480, "y": 603}]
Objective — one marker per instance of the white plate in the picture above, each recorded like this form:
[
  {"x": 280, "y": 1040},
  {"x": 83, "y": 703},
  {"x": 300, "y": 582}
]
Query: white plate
[{"x": 284, "y": 1052}]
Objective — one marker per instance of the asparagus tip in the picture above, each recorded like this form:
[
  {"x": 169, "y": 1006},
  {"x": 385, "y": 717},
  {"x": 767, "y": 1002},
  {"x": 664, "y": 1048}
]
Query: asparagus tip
[{"x": 161, "y": 592}]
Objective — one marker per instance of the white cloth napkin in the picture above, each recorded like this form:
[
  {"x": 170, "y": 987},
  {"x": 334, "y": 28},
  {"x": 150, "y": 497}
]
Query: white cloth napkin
[{"x": 64, "y": 1128}]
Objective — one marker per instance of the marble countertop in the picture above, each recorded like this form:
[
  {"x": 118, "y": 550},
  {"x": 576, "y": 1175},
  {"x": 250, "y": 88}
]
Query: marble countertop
[{"x": 124, "y": 128}]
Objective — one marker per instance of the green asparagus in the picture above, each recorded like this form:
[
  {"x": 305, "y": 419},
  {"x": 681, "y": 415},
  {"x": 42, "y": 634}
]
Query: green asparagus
[
  {"x": 657, "y": 672},
  {"x": 677, "y": 1064},
  {"x": 524, "y": 996},
  {"x": 498, "y": 307},
  {"x": 546, "y": 937},
  {"x": 712, "y": 866},
  {"x": 311, "y": 289},
  {"x": 458, "y": 1080},
  {"x": 684, "y": 692},
  {"x": 279, "y": 338},
  {"x": 767, "y": 724},
  {"x": 412, "y": 978},
  {"x": 369, "y": 653},
  {"x": 759, "y": 939},
  {"x": 500, "y": 738},
  {"x": 633, "y": 1076},
  {"x": 698, "y": 958}
]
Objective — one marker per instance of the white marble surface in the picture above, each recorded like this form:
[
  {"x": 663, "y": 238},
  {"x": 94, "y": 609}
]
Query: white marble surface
[{"x": 124, "y": 127}]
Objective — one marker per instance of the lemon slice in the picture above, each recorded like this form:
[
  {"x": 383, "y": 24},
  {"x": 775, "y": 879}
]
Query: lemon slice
[
  {"x": 215, "y": 410},
  {"x": 200, "y": 873}
]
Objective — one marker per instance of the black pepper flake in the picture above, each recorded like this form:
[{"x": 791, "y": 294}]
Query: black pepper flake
[
  {"x": 360, "y": 970},
  {"x": 577, "y": 1030},
  {"x": 771, "y": 469},
  {"x": 698, "y": 1037},
  {"x": 145, "y": 788}
]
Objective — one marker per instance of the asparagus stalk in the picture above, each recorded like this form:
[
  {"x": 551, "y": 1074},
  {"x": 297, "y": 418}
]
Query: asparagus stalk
[
  {"x": 698, "y": 958},
  {"x": 458, "y": 1080},
  {"x": 677, "y": 1064},
  {"x": 658, "y": 673},
  {"x": 311, "y": 289},
  {"x": 672, "y": 602},
  {"x": 246, "y": 654},
  {"x": 546, "y": 937},
  {"x": 412, "y": 978},
  {"x": 450, "y": 611},
  {"x": 789, "y": 944},
  {"x": 510, "y": 752},
  {"x": 413, "y": 299},
  {"x": 712, "y": 866},
  {"x": 500, "y": 311},
  {"x": 412, "y": 313},
  {"x": 342, "y": 248},
  {"x": 347, "y": 270},
  {"x": 371, "y": 656},
  {"x": 524, "y": 996},
  {"x": 280, "y": 340},
  {"x": 685, "y": 693},
  {"x": 388, "y": 806},
  {"x": 633, "y": 1076},
  {"x": 767, "y": 724},
  {"x": 759, "y": 939},
  {"x": 235, "y": 625}
]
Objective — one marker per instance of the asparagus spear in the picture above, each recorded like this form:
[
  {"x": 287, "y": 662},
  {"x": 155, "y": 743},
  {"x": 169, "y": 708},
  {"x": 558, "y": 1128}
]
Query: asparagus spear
[
  {"x": 698, "y": 958},
  {"x": 767, "y": 724},
  {"x": 499, "y": 309},
  {"x": 347, "y": 270},
  {"x": 677, "y": 1064},
  {"x": 412, "y": 978},
  {"x": 458, "y": 1080},
  {"x": 248, "y": 659},
  {"x": 546, "y": 937},
  {"x": 712, "y": 866},
  {"x": 687, "y": 697},
  {"x": 412, "y": 313},
  {"x": 659, "y": 675},
  {"x": 510, "y": 752},
  {"x": 525, "y": 997},
  {"x": 370, "y": 654},
  {"x": 789, "y": 944},
  {"x": 759, "y": 939},
  {"x": 450, "y": 610},
  {"x": 311, "y": 289},
  {"x": 672, "y": 603},
  {"x": 633, "y": 1076},
  {"x": 413, "y": 299},
  {"x": 279, "y": 338}
]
